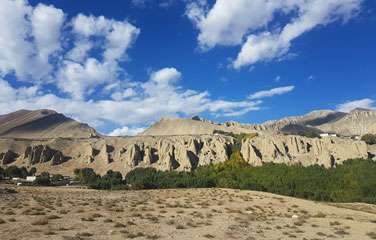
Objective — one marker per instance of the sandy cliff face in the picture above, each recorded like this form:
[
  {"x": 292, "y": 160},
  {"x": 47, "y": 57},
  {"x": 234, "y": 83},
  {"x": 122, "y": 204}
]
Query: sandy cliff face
[
  {"x": 357, "y": 122},
  {"x": 306, "y": 151},
  {"x": 51, "y": 142},
  {"x": 180, "y": 153}
]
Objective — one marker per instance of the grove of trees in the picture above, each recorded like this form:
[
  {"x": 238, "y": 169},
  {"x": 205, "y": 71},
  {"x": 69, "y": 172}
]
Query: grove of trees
[{"x": 369, "y": 138}]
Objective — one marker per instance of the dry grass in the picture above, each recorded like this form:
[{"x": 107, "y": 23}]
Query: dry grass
[
  {"x": 40, "y": 221},
  {"x": 52, "y": 213}
]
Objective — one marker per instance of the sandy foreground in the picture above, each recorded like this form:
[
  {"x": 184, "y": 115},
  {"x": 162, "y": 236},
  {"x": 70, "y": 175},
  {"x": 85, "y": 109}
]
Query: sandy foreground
[{"x": 72, "y": 214}]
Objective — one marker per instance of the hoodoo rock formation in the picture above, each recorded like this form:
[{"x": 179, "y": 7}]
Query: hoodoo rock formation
[
  {"x": 301, "y": 150},
  {"x": 176, "y": 144}
]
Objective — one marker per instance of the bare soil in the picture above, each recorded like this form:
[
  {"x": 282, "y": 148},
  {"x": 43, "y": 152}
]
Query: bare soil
[{"x": 73, "y": 214}]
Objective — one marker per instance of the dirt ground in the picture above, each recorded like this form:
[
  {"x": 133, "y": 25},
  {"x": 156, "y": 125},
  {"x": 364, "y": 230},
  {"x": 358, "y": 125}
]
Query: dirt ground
[{"x": 68, "y": 214}]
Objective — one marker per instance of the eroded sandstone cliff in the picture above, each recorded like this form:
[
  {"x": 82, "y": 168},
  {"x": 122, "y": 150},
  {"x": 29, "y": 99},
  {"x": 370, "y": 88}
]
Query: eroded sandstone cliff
[
  {"x": 180, "y": 153},
  {"x": 306, "y": 151}
]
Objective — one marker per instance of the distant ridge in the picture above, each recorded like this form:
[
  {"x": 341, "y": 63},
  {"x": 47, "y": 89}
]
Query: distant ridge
[
  {"x": 42, "y": 123},
  {"x": 184, "y": 126},
  {"x": 357, "y": 122}
]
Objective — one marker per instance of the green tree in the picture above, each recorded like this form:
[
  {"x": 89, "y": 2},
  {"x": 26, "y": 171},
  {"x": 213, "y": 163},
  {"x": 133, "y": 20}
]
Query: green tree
[
  {"x": 13, "y": 172},
  {"x": 370, "y": 139},
  {"x": 86, "y": 176},
  {"x": 43, "y": 179},
  {"x": 56, "y": 178},
  {"x": 32, "y": 171},
  {"x": 23, "y": 172},
  {"x": 2, "y": 173}
]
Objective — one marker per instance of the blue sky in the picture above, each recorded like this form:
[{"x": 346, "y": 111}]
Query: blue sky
[{"x": 123, "y": 65}]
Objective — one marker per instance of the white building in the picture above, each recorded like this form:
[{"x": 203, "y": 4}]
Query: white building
[
  {"x": 328, "y": 135},
  {"x": 31, "y": 178}
]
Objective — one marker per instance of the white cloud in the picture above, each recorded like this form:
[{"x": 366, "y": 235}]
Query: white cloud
[
  {"x": 66, "y": 68},
  {"x": 126, "y": 131},
  {"x": 227, "y": 21},
  {"x": 16, "y": 52},
  {"x": 121, "y": 95},
  {"x": 80, "y": 51},
  {"x": 79, "y": 80},
  {"x": 90, "y": 25},
  {"x": 248, "y": 23},
  {"x": 118, "y": 35},
  {"x": 32, "y": 37},
  {"x": 119, "y": 39},
  {"x": 262, "y": 47},
  {"x": 271, "y": 92},
  {"x": 46, "y": 24},
  {"x": 351, "y": 105},
  {"x": 158, "y": 97},
  {"x": 165, "y": 76}
]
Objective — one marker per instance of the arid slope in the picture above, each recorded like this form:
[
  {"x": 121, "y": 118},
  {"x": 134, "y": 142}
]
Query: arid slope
[
  {"x": 186, "y": 214},
  {"x": 42, "y": 124}
]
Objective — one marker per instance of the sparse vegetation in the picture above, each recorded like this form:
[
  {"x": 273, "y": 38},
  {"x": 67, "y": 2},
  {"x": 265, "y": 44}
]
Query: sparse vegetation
[
  {"x": 370, "y": 139},
  {"x": 111, "y": 180},
  {"x": 14, "y": 172},
  {"x": 354, "y": 181},
  {"x": 308, "y": 134},
  {"x": 43, "y": 179}
]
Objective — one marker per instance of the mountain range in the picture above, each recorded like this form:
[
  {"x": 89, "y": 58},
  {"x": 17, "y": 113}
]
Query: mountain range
[
  {"x": 53, "y": 142},
  {"x": 42, "y": 124}
]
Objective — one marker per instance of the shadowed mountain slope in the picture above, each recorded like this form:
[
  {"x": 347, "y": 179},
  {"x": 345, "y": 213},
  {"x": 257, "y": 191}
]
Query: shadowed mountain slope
[{"x": 42, "y": 124}]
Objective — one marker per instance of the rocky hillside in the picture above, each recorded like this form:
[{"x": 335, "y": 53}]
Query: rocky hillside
[
  {"x": 356, "y": 122},
  {"x": 52, "y": 142},
  {"x": 42, "y": 124},
  {"x": 181, "y": 153},
  {"x": 181, "y": 126}
]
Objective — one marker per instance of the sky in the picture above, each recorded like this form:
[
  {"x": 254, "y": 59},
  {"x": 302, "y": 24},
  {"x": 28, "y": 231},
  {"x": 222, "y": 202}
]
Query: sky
[{"x": 122, "y": 65}]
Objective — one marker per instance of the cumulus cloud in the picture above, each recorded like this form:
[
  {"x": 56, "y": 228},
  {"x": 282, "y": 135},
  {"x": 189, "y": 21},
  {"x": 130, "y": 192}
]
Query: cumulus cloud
[
  {"x": 31, "y": 38},
  {"x": 16, "y": 52},
  {"x": 271, "y": 92},
  {"x": 46, "y": 22},
  {"x": 126, "y": 131},
  {"x": 366, "y": 103},
  {"x": 79, "y": 80},
  {"x": 76, "y": 67},
  {"x": 166, "y": 76},
  {"x": 159, "y": 96},
  {"x": 250, "y": 23}
]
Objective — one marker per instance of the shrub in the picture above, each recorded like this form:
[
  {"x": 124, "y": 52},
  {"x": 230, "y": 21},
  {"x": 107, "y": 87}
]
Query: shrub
[
  {"x": 111, "y": 180},
  {"x": 43, "y": 179},
  {"x": 86, "y": 176},
  {"x": 309, "y": 134},
  {"x": 32, "y": 171},
  {"x": 355, "y": 180},
  {"x": 13, "y": 171},
  {"x": 57, "y": 178},
  {"x": 370, "y": 139},
  {"x": 2, "y": 173}
]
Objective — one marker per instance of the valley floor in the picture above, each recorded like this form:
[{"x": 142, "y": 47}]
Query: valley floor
[{"x": 68, "y": 214}]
